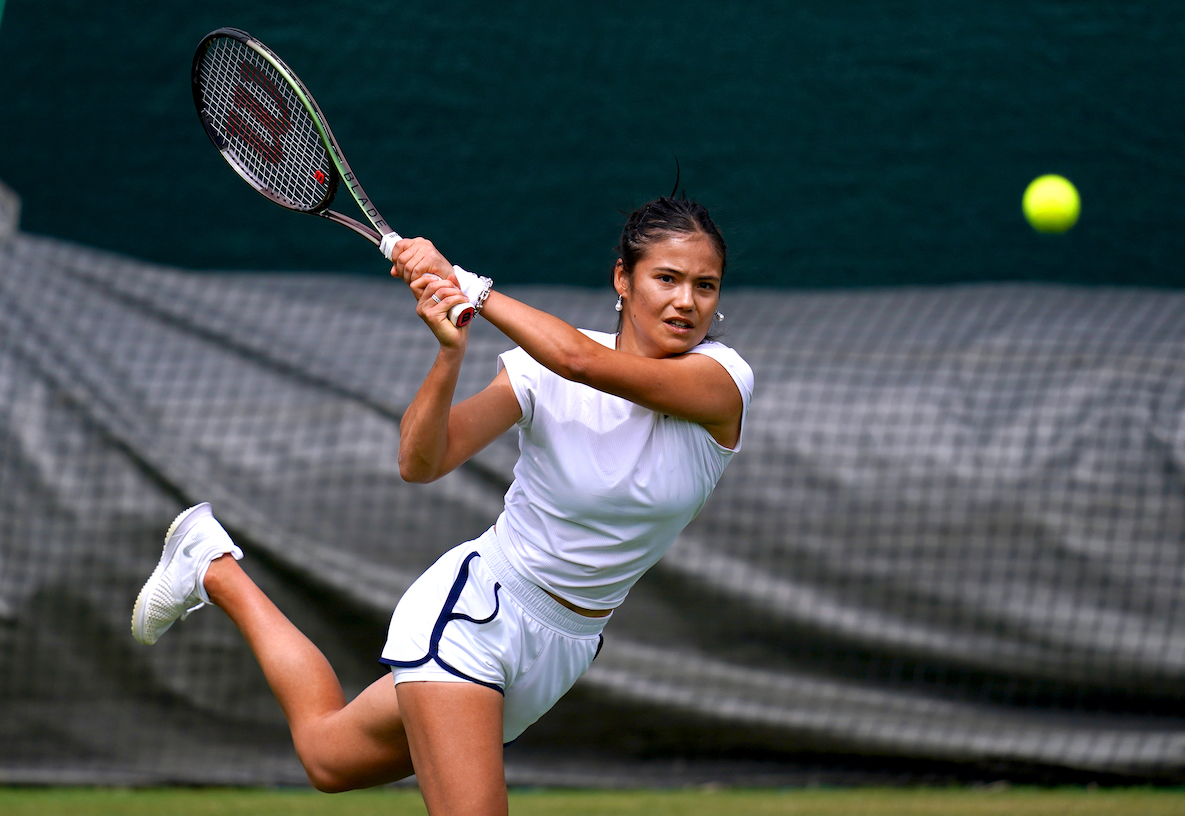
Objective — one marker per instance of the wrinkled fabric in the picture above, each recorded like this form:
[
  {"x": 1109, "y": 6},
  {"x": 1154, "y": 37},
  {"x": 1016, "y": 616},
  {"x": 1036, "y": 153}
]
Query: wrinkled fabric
[{"x": 953, "y": 539}]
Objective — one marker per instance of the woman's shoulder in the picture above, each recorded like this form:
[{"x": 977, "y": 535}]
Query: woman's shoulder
[{"x": 733, "y": 362}]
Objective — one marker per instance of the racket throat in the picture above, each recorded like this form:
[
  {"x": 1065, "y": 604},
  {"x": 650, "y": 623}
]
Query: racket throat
[
  {"x": 363, "y": 201},
  {"x": 366, "y": 232}
]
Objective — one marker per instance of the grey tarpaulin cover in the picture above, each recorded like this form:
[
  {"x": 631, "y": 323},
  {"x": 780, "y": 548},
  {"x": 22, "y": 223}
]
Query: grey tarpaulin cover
[{"x": 953, "y": 538}]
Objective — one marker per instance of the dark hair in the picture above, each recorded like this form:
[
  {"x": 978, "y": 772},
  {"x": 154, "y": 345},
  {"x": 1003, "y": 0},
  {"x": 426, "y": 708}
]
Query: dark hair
[
  {"x": 665, "y": 218},
  {"x": 661, "y": 219}
]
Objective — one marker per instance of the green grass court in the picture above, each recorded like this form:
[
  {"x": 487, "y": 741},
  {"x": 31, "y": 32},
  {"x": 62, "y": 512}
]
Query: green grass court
[{"x": 809, "y": 802}]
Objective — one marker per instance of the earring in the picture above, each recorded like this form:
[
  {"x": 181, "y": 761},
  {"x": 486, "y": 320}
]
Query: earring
[
  {"x": 618, "y": 304},
  {"x": 720, "y": 317}
]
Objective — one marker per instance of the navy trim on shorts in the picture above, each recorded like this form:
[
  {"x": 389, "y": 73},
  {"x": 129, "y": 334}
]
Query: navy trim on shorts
[{"x": 446, "y": 616}]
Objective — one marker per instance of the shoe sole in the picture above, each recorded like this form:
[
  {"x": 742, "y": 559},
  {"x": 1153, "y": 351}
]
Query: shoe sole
[{"x": 173, "y": 538}]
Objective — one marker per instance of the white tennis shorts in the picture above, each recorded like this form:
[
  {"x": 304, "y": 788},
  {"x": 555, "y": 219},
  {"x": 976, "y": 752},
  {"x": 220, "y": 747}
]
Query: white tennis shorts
[{"x": 472, "y": 618}]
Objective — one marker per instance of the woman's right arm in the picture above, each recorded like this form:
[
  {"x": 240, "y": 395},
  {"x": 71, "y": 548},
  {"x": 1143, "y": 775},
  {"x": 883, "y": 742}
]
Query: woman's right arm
[
  {"x": 431, "y": 445},
  {"x": 435, "y": 436}
]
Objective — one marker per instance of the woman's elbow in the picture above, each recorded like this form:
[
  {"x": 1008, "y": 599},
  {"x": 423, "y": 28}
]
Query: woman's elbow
[
  {"x": 415, "y": 470},
  {"x": 574, "y": 366}
]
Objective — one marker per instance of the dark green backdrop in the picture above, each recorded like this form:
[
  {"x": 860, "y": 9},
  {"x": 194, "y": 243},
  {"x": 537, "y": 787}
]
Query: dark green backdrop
[{"x": 838, "y": 144}]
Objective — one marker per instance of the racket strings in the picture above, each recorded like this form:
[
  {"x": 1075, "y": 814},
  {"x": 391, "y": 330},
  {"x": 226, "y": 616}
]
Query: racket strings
[{"x": 268, "y": 132}]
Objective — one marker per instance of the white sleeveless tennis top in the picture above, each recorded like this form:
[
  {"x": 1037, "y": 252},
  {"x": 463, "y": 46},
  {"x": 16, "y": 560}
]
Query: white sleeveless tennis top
[{"x": 603, "y": 486}]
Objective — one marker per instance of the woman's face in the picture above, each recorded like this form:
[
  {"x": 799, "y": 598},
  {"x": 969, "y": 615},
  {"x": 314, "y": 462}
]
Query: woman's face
[{"x": 669, "y": 302}]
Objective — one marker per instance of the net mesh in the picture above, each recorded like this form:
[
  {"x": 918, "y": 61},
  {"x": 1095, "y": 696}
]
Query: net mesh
[
  {"x": 952, "y": 546},
  {"x": 266, "y": 129}
]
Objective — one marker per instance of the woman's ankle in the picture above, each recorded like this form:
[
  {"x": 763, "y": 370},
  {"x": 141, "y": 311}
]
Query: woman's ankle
[{"x": 219, "y": 575}]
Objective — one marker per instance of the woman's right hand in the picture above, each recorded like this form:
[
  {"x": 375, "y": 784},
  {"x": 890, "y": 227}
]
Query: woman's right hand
[{"x": 434, "y": 297}]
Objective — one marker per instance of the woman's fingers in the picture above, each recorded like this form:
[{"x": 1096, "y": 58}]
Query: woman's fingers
[
  {"x": 428, "y": 273},
  {"x": 436, "y": 296},
  {"x": 414, "y": 257}
]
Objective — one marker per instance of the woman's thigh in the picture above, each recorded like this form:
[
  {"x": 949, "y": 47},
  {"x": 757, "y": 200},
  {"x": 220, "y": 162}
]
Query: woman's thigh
[{"x": 454, "y": 730}]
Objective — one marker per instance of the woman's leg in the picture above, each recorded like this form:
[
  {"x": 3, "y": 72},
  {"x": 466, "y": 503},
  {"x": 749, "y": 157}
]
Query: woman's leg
[
  {"x": 455, "y": 734},
  {"x": 342, "y": 747}
]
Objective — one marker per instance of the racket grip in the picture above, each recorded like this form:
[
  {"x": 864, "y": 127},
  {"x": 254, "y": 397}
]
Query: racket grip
[
  {"x": 387, "y": 245},
  {"x": 461, "y": 314}
]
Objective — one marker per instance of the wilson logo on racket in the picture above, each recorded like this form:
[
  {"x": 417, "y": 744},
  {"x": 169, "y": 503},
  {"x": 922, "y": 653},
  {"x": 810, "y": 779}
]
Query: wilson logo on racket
[
  {"x": 320, "y": 177},
  {"x": 269, "y": 149}
]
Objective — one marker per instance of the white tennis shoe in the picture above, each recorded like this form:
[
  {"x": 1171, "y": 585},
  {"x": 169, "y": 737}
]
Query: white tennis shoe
[{"x": 174, "y": 590}]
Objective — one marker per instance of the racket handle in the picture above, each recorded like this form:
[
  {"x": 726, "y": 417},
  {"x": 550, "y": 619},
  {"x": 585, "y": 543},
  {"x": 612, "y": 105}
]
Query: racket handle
[
  {"x": 387, "y": 245},
  {"x": 461, "y": 314}
]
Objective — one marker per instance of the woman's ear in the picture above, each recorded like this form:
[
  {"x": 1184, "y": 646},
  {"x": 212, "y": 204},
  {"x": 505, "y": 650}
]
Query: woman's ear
[{"x": 621, "y": 281}]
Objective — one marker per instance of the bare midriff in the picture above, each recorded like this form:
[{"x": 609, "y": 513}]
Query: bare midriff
[{"x": 579, "y": 610}]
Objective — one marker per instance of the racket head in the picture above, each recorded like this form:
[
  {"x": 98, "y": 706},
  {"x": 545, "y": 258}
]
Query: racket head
[{"x": 263, "y": 121}]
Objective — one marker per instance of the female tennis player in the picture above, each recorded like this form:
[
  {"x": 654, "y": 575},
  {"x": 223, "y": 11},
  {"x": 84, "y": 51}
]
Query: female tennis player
[{"x": 622, "y": 439}]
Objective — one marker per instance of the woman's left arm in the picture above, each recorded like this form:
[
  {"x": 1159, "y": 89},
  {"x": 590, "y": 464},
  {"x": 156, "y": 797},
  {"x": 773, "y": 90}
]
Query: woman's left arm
[{"x": 689, "y": 386}]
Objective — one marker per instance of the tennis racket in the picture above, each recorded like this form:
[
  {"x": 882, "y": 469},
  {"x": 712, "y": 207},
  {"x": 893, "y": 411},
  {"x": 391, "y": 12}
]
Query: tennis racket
[{"x": 268, "y": 127}]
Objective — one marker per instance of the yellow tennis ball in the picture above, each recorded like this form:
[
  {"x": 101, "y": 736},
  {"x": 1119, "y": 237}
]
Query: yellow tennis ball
[{"x": 1051, "y": 204}]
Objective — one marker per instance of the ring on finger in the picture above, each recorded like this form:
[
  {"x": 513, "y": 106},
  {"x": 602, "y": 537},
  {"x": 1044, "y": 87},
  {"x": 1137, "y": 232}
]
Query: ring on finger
[{"x": 435, "y": 299}]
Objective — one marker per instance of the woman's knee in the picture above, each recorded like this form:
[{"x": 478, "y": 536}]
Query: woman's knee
[
  {"x": 329, "y": 779},
  {"x": 359, "y": 746},
  {"x": 324, "y": 774}
]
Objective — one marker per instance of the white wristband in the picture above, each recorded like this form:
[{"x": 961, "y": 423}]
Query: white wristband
[{"x": 475, "y": 287}]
